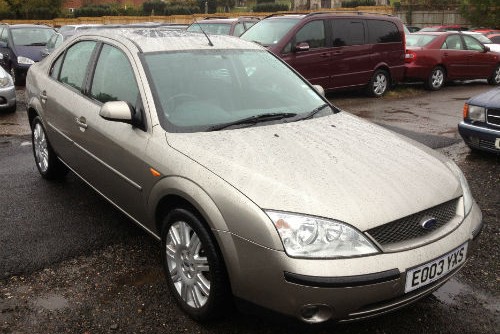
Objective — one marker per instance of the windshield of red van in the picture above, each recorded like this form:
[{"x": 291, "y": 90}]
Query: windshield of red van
[{"x": 270, "y": 31}]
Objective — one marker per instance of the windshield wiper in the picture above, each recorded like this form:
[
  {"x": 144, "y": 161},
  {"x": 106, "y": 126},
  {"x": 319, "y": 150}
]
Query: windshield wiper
[
  {"x": 253, "y": 120},
  {"x": 36, "y": 44},
  {"x": 314, "y": 111}
]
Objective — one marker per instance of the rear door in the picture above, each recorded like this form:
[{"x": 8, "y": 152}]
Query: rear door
[
  {"x": 351, "y": 63},
  {"x": 314, "y": 63},
  {"x": 454, "y": 57}
]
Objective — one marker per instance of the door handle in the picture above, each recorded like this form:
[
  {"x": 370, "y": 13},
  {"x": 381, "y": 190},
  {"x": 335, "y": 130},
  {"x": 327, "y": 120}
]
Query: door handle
[
  {"x": 81, "y": 121},
  {"x": 43, "y": 96}
]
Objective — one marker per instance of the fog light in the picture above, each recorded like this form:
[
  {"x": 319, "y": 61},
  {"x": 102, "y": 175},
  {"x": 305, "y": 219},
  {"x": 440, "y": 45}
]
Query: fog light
[{"x": 316, "y": 313}]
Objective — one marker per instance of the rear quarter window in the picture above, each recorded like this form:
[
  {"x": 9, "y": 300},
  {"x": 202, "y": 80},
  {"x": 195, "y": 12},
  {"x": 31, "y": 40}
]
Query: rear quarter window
[{"x": 383, "y": 32}]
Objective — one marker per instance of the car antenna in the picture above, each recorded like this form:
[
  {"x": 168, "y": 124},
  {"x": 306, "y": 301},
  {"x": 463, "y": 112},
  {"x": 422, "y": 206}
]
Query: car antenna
[{"x": 201, "y": 28}]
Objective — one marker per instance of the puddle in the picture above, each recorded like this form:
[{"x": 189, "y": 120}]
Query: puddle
[
  {"x": 451, "y": 292},
  {"x": 52, "y": 302}
]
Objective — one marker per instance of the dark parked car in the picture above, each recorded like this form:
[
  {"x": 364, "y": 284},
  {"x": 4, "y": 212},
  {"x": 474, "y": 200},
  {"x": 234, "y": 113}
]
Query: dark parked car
[
  {"x": 480, "y": 128},
  {"x": 224, "y": 26},
  {"x": 337, "y": 51},
  {"x": 22, "y": 45},
  {"x": 437, "y": 57}
]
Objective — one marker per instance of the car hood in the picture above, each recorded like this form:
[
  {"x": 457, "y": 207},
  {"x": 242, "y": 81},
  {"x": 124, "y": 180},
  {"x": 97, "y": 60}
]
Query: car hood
[
  {"x": 32, "y": 52},
  {"x": 336, "y": 166},
  {"x": 489, "y": 99}
]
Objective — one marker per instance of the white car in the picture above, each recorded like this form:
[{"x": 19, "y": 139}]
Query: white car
[{"x": 7, "y": 92}]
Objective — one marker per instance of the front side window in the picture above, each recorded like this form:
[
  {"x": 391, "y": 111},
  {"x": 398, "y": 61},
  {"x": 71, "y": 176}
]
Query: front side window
[
  {"x": 473, "y": 44},
  {"x": 196, "y": 90},
  {"x": 74, "y": 68},
  {"x": 239, "y": 28},
  {"x": 114, "y": 78},
  {"x": 312, "y": 33}
]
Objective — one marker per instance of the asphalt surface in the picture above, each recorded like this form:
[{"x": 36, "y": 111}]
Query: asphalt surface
[{"x": 71, "y": 263}]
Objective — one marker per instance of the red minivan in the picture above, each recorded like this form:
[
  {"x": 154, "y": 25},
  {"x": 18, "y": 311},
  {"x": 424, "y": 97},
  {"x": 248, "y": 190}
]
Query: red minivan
[{"x": 337, "y": 50}]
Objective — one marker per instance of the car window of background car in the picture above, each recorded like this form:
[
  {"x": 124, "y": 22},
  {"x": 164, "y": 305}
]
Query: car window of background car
[
  {"x": 419, "y": 40},
  {"x": 199, "y": 89},
  {"x": 211, "y": 28},
  {"x": 114, "y": 78},
  {"x": 312, "y": 33},
  {"x": 31, "y": 36},
  {"x": 382, "y": 32},
  {"x": 239, "y": 28},
  {"x": 348, "y": 32},
  {"x": 269, "y": 32},
  {"x": 75, "y": 64},
  {"x": 4, "y": 35},
  {"x": 453, "y": 42},
  {"x": 473, "y": 44}
]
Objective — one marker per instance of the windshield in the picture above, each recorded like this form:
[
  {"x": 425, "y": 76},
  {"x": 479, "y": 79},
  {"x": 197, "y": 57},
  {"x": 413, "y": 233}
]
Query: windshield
[
  {"x": 31, "y": 36},
  {"x": 203, "y": 89},
  {"x": 211, "y": 28},
  {"x": 419, "y": 40},
  {"x": 270, "y": 31}
]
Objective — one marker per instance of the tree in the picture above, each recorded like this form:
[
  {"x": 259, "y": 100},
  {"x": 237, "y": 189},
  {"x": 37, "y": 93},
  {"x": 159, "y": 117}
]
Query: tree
[
  {"x": 34, "y": 9},
  {"x": 482, "y": 13}
]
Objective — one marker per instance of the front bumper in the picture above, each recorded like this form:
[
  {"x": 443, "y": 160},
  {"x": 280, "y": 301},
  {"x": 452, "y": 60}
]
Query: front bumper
[
  {"x": 480, "y": 137},
  {"x": 337, "y": 289}
]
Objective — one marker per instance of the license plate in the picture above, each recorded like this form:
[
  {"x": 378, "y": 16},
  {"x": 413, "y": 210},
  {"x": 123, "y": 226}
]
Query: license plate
[
  {"x": 434, "y": 270},
  {"x": 497, "y": 143}
]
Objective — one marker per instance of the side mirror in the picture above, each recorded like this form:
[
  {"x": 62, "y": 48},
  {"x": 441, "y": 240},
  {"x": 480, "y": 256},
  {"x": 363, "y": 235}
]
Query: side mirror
[
  {"x": 303, "y": 46},
  {"x": 117, "y": 111},
  {"x": 319, "y": 89},
  {"x": 486, "y": 48}
]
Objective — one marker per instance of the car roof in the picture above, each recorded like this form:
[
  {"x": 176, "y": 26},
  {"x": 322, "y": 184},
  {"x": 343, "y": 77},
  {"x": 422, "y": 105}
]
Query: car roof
[
  {"x": 155, "y": 40},
  {"x": 346, "y": 14},
  {"x": 21, "y": 26}
]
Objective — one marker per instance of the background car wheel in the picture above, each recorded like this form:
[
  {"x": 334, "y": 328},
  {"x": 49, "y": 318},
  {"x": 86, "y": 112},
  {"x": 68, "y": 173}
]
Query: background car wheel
[
  {"x": 49, "y": 166},
  {"x": 436, "y": 79},
  {"x": 194, "y": 268},
  {"x": 378, "y": 84},
  {"x": 495, "y": 77}
]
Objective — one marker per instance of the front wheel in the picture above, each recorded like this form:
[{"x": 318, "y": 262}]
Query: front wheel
[
  {"x": 378, "y": 84},
  {"x": 494, "y": 79},
  {"x": 436, "y": 79},
  {"x": 194, "y": 269},
  {"x": 49, "y": 166}
]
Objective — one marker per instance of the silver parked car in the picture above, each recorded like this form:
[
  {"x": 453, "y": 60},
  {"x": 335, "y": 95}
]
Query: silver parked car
[
  {"x": 259, "y": 189},
  {"x": 8, "y": 102}
]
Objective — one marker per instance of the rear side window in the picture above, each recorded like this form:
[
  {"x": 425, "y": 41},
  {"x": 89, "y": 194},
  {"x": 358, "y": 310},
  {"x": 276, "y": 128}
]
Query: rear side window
[
  {"x": 348, "y": 32},
  {"x": 453, "y": 42},
  {"x": 383, "y": 32},
  {"x": 75, "y": 64}
]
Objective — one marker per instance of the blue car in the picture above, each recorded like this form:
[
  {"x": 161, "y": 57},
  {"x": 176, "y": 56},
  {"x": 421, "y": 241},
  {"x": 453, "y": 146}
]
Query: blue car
[
  {"x": 21, "y": 46},
  {"x": 480, "y": 128}
]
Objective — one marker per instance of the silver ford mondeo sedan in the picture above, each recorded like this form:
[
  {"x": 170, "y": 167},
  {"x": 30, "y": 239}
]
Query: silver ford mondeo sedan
[{"x": 259, "y": 189}]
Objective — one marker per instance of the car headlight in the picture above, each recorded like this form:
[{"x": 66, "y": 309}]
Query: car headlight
[
  {"x": 25, "y": 60},
  {"x": 312, "y": 237},
  {"x": 468, "y": 200},
  {"x": 6, "y": 81},
  {"x": 475, "y": 113}
]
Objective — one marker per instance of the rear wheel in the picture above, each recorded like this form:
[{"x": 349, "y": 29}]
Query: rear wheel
[
  {"x": 378, "y": 84},
  {"x": 495, "y": 77},
  {"x": 436, "y": 79},
  {"x": 194, "y": 269},
  {"x": 49, "y": 166}
]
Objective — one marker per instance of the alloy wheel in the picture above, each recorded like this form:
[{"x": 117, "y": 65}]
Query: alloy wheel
[
  {"x": 188, "y": 264},
  {"x": 41, "y": 148},
  {"x": 380, "y": 84},
  {"x": 437, "y": 78}
]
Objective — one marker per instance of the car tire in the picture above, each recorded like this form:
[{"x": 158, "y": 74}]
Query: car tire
[
  {"x": 16, "y": 77},
  {"x": 495, "y": 77},
  {"x": 378, "y": 83},
  {"x": 47, "y": 162},
  {"x": 193, "y": 266},
  {"x": 436, "y": 79}
]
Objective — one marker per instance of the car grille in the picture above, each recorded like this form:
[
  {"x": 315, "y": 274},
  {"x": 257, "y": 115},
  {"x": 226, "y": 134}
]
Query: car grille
[
  {"x": 487, "y": 144},
  {"x": 409, "y": 227},
  {"x": 493, "y": 117}
]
